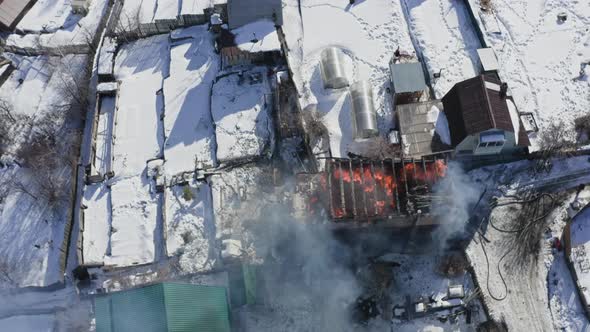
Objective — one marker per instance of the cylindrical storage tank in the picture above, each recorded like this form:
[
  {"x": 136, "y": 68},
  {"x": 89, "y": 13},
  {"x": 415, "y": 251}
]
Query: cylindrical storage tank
[
  {"x": 332, "y": 68},
  {"x": 364, "y": 117}
]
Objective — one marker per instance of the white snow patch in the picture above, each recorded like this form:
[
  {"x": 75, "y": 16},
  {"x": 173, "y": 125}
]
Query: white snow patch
[
  {"x": 441, "y": 125},
  {"x": 515, "y": 118}
]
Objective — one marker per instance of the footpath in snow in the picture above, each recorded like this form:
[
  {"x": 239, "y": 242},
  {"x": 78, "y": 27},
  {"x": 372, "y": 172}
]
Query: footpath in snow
[
  {"x": 444, "y": 36},
  {"x": 540, "y": 57}
]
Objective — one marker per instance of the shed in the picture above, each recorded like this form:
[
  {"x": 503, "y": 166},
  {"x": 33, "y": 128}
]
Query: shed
[
  {"x": 12, "y": 11},
  {"x": 407, "y": 80},
  {"x": 488, "y": 59},
  {"x": 576, "y": 238},
  {"x": 242, "y": 12},
  {"x": 477, "y": 105},
  {"x": 164, "y": 307}
]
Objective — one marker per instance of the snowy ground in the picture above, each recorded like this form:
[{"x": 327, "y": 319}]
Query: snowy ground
[
  {"x": 540, "y": 57},
  {"x": 41, "y": 323},
  {"x": 446, "y": 39},
  {"x": 241, "y": 107},
  {"x": 368, "y": 32},
  {"x": 564, "y": 302},
  {"x": 417, "y": 277},
  {"x": 190, "y": 227},
  {"x": 539, "y": 296},
  {"x": 35, "y": 92}
]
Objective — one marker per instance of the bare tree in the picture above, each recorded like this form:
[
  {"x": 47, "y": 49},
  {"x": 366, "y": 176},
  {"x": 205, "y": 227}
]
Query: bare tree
[
  {"x": 486, "y": 5},
  {"x": 72, "y": 91},
  {"x": 128, "y": 22},
  {"x": 554, "y": 142},
  {"x": 6, "y": 275},
  {"x": 6, "y": 112},
  {"x": 313, "y": 124},
  {"x": 583, "y": 128}
]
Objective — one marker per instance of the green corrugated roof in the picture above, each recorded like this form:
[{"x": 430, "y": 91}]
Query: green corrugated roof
[
  {"x": 164, "y": 307},
  {"x": 407, "y": 77}
]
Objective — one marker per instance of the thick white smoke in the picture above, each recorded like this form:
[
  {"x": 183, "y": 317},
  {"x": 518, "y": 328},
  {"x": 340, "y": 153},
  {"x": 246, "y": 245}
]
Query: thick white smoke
[
  {"x": 455, "y": 196},
  {"x": 311, "y": 272}
]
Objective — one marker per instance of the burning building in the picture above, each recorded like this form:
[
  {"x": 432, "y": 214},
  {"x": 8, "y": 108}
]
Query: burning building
[{"x": 356, "y": 191}]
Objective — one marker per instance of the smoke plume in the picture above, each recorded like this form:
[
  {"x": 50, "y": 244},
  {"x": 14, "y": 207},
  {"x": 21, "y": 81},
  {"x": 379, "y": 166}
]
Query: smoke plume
[{"x": 455, "y": 196}]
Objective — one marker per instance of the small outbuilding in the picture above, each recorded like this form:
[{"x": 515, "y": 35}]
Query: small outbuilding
[
  {"x": 407, "y": 81},
  {"x": 482, "y": 119},
  {"x": 164, "y": 307},
  {"x": 576, "y": 240},
  {"x": 488, "y": 59}
]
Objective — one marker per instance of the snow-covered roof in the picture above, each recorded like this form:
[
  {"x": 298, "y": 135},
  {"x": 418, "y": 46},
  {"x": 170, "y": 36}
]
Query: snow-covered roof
[
  {"x": 418, "y": 124},
  {"x": 407, "y": 77},
  {"x": 48, "y": 16},
  {"x": 580, "y": 250},
  {"x": 488, "y": 59},
  {"x": 134, "y": 219},
  {"x": 259, "y": 36},
  {"x": 190, "y": 137},
  {"x": 197, "y": 7},
  {"x": 74, "y": 36},
  {"x": 97, "y": 221}
]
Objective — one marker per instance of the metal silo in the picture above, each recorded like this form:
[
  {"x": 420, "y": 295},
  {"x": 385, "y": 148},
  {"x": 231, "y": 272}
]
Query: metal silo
[
  {"x": 332, "y": 67},
  {"x": 364, "y": 117}
]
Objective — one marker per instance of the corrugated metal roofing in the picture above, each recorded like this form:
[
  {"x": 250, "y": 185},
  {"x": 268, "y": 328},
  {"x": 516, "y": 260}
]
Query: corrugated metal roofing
[
  {"x": 11, "y": 11},
  {"x": 416, "y": 128},
  {"x": 242, "y": 12},
  {"x": 164, "y": 307},
  {"x": 407, "y": 77}
]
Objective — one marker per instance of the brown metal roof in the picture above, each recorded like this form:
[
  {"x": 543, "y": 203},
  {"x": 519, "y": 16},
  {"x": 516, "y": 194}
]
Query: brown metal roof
[{"x": 475, "y": 105}]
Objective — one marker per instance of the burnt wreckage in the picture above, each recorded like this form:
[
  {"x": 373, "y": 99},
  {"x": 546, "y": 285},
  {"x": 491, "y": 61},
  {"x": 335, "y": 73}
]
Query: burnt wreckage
[{"x": 390, "y": 192}]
